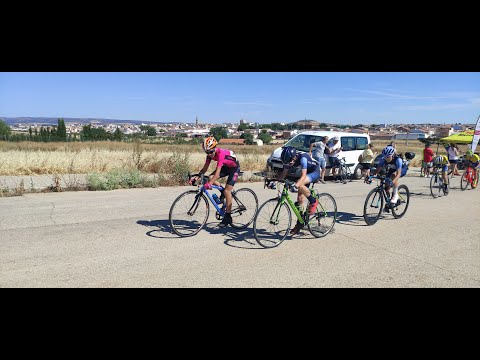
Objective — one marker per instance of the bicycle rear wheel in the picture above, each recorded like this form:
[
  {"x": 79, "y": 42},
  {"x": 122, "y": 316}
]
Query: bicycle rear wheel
[
  {"x": 272, "y": 222},
  {"x": 244, "y": 208},
  {"x": 343, "y": 173},
  {"x": 399, "y": 209},
  {"x": 325, "y": 216},
  {"x": 189, "y": 213},
  {"x": 436, "y": 186},
  {"x": 373, "y": 206}
]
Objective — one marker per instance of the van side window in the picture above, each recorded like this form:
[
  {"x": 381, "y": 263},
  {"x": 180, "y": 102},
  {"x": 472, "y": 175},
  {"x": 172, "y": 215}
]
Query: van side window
[
  {"x": 362, "y": 143},
  {"x": 348, "y": 143},
  {"x": 298, "y": 142}
]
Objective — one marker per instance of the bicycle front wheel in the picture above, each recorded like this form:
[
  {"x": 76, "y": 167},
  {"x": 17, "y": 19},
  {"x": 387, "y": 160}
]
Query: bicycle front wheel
[
  {"x": 373, "y": 206},
  {"x": 325, "y": 217},
  {"x": 436, "y": 186},
  {"x": 464, "y": 181},
  {"x": 400, "y": 208},
  {"x": 244, "y": 208},
  {"x": 272, "y": 223},
  {"x": 475, "y": 182},
  {"x": 189, "y": 213}
]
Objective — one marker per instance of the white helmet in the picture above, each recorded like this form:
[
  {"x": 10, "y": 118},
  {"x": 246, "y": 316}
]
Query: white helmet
[
  {"x": 336, "y": 138},
  {"x": 439, "y": 160}
]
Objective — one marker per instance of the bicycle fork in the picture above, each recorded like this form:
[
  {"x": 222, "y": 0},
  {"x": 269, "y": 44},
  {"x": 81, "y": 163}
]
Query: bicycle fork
[{"x": 195, "y": 205}]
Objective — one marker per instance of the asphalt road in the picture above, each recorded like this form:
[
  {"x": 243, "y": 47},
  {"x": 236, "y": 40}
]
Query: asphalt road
[{"x": 122, "y": 238}]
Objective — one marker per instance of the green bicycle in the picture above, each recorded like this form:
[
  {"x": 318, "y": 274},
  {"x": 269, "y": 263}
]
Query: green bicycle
[{"x": 274, "y": 218}]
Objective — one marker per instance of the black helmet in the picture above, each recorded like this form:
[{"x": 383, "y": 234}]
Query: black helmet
[{"x": 288, "y": 153}]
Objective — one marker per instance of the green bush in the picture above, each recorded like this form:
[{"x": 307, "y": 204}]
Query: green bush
[{"x": 118, "y": 179}]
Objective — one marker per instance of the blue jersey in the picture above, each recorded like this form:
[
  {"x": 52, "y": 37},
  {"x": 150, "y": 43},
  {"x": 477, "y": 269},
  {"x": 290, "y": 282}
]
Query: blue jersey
[
  {"x": 306, "y": 162},
  {"x": 394, "y": 165}
]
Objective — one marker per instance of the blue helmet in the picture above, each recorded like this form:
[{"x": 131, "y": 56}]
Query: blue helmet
[
  {"x": 288, "y": 153},
  {"x": 388, "y": 151}
]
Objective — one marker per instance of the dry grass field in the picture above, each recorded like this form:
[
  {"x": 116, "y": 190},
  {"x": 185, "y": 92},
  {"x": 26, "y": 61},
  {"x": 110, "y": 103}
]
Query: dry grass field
[{"x": 31, "y": 158}]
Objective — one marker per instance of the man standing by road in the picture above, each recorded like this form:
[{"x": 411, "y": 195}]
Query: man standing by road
[
  {"x": 319, "y": 155},
  {"x": 427, "y": 159},
  {"x": 335, "y": 149}
]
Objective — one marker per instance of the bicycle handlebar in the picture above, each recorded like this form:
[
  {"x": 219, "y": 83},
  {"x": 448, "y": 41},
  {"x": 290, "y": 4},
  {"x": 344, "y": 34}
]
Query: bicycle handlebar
[
  {"x": 380, "y": 177},
  {"x": 288, "y": 183},
  {"x": 202, "y": 178}
]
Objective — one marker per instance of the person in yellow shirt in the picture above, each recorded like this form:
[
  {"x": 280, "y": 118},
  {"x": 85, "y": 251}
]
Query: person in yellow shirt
[
  {"x": 367, "y": 160},
  {"x": 474, "y": 161}
]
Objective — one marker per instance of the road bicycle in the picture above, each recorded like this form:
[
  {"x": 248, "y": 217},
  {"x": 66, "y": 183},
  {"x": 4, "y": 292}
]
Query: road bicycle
[
  {"x": 469, "y": 177},
  {"x": 274, "y": 218},
  {"x": 344, "y": 171},
  {"x": 379, "y": 196},
  {"x": 190, "y": 210},
  {"x": 437, "y": 185}
]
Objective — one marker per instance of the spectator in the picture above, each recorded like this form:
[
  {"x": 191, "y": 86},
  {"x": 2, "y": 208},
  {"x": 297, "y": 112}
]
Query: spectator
[
  {"x": 422, "y": 168},
  {"x": 394, "y": 145},
  {"x": 367, "y": 160},
  {"x": 427, "y": 162},
  {"x": 453, "y": 153},
  {"x": 335, "y": 149},
  {"x": 319, "y": 155}
]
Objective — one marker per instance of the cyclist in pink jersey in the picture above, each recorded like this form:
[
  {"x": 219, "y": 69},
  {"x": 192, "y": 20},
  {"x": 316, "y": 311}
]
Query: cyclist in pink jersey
[{"x": 227, "y": 165}]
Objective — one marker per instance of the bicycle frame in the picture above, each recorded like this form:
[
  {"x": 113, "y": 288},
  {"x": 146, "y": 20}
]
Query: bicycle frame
[
  {"x": 221, "y": 210},
  {"x": 384, "y": 192},
  {"x": 285, "y": 196},
  {"x": 470, "y": 170},
  {"x": 201, "y": 189}
]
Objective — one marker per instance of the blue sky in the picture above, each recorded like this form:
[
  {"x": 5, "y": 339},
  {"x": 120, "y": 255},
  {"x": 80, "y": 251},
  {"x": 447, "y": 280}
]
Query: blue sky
[{"x": 265, "y": 97}]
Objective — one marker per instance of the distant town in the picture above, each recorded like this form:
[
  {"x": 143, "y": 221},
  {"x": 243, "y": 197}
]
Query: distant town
[{"x": 235, "y": 132}]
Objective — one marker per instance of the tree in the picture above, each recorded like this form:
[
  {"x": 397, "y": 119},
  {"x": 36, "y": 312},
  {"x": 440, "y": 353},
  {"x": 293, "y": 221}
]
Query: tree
[
  {"x": 61, "y": 130},
  {"x": 248, "y": 138},
  {"x": 151, "y": 131},
  {"x": 118, "y": 135},
  {"x": 219, "y": 133},
  {"x": 242, "y": 127},
  {"x": 265, "y": 137},
  {"x": 4, "y": 129},
  {"x": 86, "y": 133}
]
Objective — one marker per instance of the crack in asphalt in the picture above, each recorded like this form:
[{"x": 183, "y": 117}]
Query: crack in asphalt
[{"x": 51, "y": 213}]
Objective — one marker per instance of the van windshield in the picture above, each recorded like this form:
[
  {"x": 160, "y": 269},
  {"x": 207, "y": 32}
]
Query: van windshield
[{"x": 302, "y": 142}]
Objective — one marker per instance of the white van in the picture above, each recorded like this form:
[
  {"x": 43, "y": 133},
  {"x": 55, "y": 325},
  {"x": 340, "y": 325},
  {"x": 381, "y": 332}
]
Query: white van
[{"x": 353, "y": 145}]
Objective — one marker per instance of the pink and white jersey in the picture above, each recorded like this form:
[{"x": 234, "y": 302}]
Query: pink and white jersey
[{"x": 224, "y": 158}]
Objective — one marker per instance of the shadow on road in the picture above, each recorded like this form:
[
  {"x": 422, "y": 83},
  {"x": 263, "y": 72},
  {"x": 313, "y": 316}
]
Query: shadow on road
[
  {"x": 350, "y": 219},
  {"x": 163, "y": 228},
  {"x": 239, "y": 238}
]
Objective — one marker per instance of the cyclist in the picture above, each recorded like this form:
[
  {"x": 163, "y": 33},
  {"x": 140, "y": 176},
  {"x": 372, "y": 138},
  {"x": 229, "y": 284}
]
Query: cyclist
[
  {"x": 441, "y": 162},
  {"x": 473, "y": 161},
  {"x": 227, "y": 165},
  {"x": 310, "y": 173},
  {"x": 395, "y": 170}
]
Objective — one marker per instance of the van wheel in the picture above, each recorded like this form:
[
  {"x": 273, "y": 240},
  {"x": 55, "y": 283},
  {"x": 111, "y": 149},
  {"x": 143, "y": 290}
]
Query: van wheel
[{"x": 357, "y": 173}]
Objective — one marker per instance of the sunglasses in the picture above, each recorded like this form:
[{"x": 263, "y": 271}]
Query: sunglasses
[{"x": 209, "y": 152}]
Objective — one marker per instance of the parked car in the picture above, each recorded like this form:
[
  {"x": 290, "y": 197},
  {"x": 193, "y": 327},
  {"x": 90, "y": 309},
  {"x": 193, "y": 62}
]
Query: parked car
[{"x": 353, "y": 145}]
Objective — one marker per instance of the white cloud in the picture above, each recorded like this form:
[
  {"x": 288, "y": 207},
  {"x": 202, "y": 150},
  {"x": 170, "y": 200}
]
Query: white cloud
[{"x": 436, "y": 107}]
